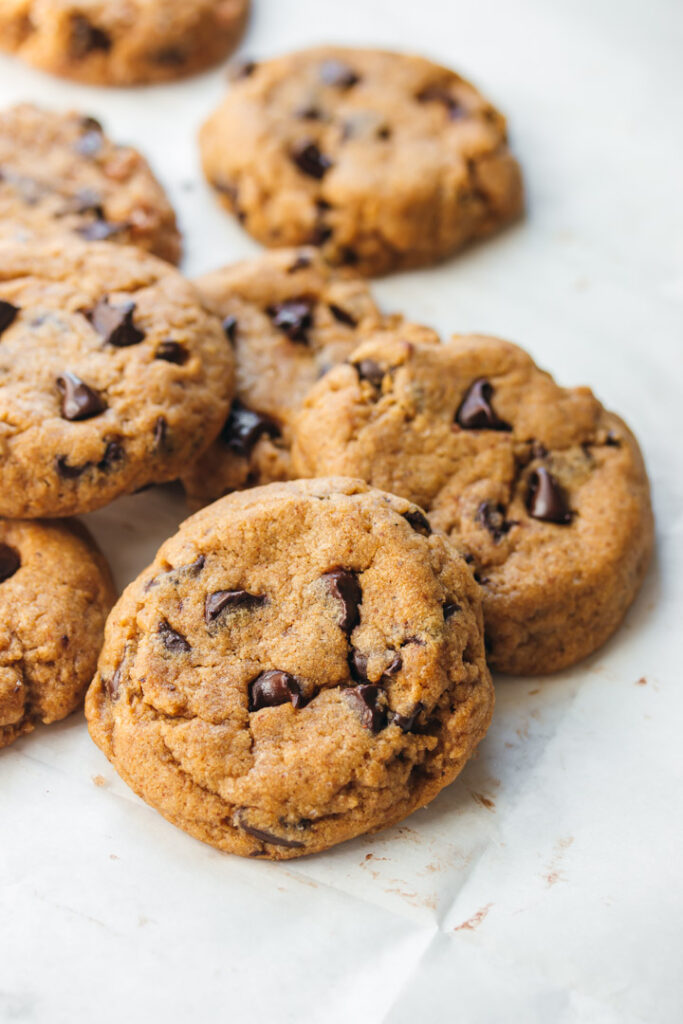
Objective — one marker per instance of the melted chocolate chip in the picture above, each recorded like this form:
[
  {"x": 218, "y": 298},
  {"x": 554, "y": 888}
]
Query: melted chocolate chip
[
  {"x": 115, "y": 324},
  {"x": 9, "y": 562},
  {"x": 310, "y": 160},
  {"x": 111, "y": 686},
  {"x": 406, "y": 723},
  {"x": 358, "y": 666},
  {"x": 79, "y": 400},
  {"x": 221, "y": 599},
  {"x": 68, "y": 472},
  {"x": 161, "y": 434},
  {"x": 244, "y": 427},
  {"x": 113, "y": 453},
  {"x": 492, "y": 518},
  {"x": 100, "y": 230},
  {"x": 344, "y": 586},
  {"x": 172, "y": 640},
  {"x": 268, "y": 837},
  {"x": 419, "y": 522},
  {"x": 449, "y": 609},
  {"x": 171, "y": 352},
  {"x": 8, "y": 314},
  {"x": 394, "y": 666},
  {"x": 272, "y": 688},
  {"x": 546, "y": 499},
  {"x": 230, "y": 328},
  {"x": 369, "y": 370},
  {"x": 338, "y": 74},
  {"x": 86, "y": 38},
  {"x": 364, "y": 698},
  {"x": 476, "y": 412},
  {"x": 439, "y": 94},
  {"x": 342, "y": 316},
  {"x": 294, "y": 317}
]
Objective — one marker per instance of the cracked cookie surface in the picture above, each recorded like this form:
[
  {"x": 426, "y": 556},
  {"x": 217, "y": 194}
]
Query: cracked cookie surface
[
  {"x": 122, "y": 42},
  {"x": 55, "y": 594},
  {"x": 302, "y": 663},
  {"x": 60, "y": 172},
  {"x": 542, "y": 488},
  {"x": 383, "y": 160},
  {"x": 289, "y": 318},
  {"x": 112, "y": 375}
]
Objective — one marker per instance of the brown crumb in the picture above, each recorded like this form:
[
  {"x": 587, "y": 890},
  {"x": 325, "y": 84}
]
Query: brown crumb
[
  {"x": 642, "y": 681},
  {"x": 99, "y": 780},
  {"x": 485, "y": 801}
]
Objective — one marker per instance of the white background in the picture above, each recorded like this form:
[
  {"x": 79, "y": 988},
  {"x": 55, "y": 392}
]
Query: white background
[{"x": 544, "y": 885}]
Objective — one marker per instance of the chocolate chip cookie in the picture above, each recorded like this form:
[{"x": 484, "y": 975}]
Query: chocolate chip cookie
[
  {"x": 302, "y": 663},
  {"x": 122, "y": 42},
  {"x": 112, "y": 375},
  {"x": 60, "y": 172},
  {"x": 289, "y": 318},
  {"x": 543, "y": 489},
  {"x": 383, "y": 160},
  {"x": 55, "y": 595}
]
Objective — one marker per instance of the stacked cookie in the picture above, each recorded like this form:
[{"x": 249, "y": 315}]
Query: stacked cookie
[{"x": 383, "y": 516}]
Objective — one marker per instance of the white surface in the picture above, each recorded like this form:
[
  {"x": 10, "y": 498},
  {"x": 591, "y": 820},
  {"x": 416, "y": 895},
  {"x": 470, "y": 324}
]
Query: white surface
[{"x": 561, "y": 901}]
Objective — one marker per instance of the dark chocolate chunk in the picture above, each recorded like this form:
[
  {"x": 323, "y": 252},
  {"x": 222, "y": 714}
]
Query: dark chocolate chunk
[
  {"x": 294, "y": 317},
  {"x": 230, "y": 328},
  {"x": 344, "y": 586},
  {"x": 171, "y": 352},
  {"x": 310, "y": 160},
  {"x": 8, "y": 314},
  {"x": 221, "y": 599},
  {"x": 161, "y": 434},
  {"x": 369, "y": 370},
  {"x": 476, "y": 412},
  {"x": 68, "y": 472},
  {"x": 310, "y": 113},
  {"x": 79, "y": 400},
  {"x": 100, "y": 230},
  {"x": 115, "y": 324},
  {"x": 546, "y": 499},
  {"x": 320, "y": 234},
  {"x": 338, "y": 74},
  {"x": 439, "y": 94},
  {"x": 347, "y": 256},
  {"x": 172, "y": 640},
  {"x": 364, "y": 698},
  {"x": 267, "y": 837},
  {"x": 111, "y": 686},
  {"x": 91, "y": 124},
  {"x": 244, "y": 427},
  {"x": 85, "y": 38},
  {"x": 358, "y": 666},
  {"x": 272, "y": 688},
  {"x": 113, "y": 453},
  {"x": 406, "y": 723},
  {"x": 449, "y": 609},
  {"x": 612, "y": 441},
  {"x": 384, "y": 133},
  {"x": 419, "y": 522},
  {"x": 342, "y": 316},
  {"x": 492, "y": 518},
  {"x": 9, "y": 562},
  {"x": 394, "y": 666}
]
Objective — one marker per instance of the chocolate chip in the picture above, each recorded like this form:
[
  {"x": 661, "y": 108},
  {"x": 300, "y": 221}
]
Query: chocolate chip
[
  {"x": 79, "y": 400},
  {"x": 111, "y": 686},
  {"x": 294, "y": 317},
  {"x": 419, "y": 522},
  {"x": 113, "y": 453},
  {"x": 358, "y": 666},
  {"x": 268, "y": 837},
  {"x": 384, "y": 133},
  {"x": 8, "y": 314},
  {"x": 344, "y": 586},
  {"x": 221, "y": 599},
  {"x": 338, "y": 74},
  {"x": 115, "y": 324},
  {"x": 9, "y": 562},
  {"x": 100, "y": 230},
  {"x": 86, "y": 38},
  {"x": 68, "y": 472},
  {"x": 449, "y": 609},
  {"x": 439, "y": 94},
  {"x": 242, "y": 69},
  {"x": 310, "y": 113},
  {"x": 342, "y": 316},
  {"x": 302, "y": 262},
  {"x": 347, "y": 256},
  {"x": 230, "y": 328},
  {"x": 171, "y": 352},
  {"x": 310, "y": 160},
  {"x": 394, "y": 666},
  {"x": 364, "y": 698},
  {"x": 244, "y": 427},
  {"x": 161, "y": 434},
  {"x": 476, "y": 412},
  {"x": 90, "y": 144},
  {"x": 546, "y": 499},
  {"x": 172, "y": 640},
  {"x": 369, "y": 370},
  {"x": 492, "y": 518},
  {"x": 406, "y": 723},
  {"x": 91, "y": 124},
  {"x": 272, "y": 688},
  {"x": 320, "y": 234},
  {"x": 612, "y": 441}
]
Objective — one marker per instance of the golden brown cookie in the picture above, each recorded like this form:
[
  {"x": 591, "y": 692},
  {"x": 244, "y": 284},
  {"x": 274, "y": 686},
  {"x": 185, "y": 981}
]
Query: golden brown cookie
[
  {"x": 383, "y": 160},
  {"x": 60, "y": 172},
  {"x": 112, "y": 375},
  {"x": 55, "y": 594},
  {"x": 122, "y": 42},
  {"x": 302, "y": 663},
  {"x": 543, "y": 489}
]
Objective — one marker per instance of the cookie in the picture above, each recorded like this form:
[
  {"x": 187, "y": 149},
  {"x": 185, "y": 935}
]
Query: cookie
[
  {"x": 385, "y": 161},
  {"x": 543, "y": 489},
  {"x": 112, "y": 375},
  {"x": 122, "y": 42},
  {"x": 289, "y": 317},
  {"x": 302, "y": 663},
  {"x": 60, "y": 172},
  {"x": 55, "y": 594}
]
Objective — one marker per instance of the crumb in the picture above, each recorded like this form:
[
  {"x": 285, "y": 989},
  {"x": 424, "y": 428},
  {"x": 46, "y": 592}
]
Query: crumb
[
  {"x": 642, "y": 681},
  {"x": 99, "y": 780},
  {"x": 473, "y": 922},
  {"x": 485, "y": 801}
]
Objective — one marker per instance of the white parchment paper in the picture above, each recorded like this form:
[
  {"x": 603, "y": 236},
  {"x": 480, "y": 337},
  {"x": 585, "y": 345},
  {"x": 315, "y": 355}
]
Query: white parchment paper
[{"x": 544, "y": 885}]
